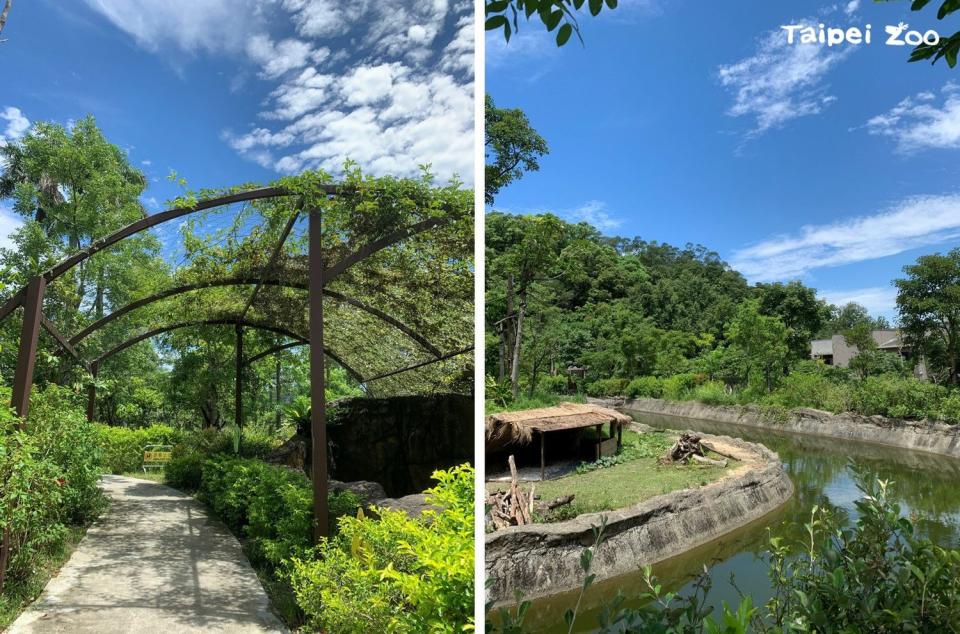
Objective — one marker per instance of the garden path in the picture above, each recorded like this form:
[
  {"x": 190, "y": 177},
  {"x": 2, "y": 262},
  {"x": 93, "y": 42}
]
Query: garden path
[{"x": 155, "y": 562}]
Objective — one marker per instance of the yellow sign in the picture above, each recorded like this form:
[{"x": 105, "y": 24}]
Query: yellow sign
[{"x": 157, "y": 456}]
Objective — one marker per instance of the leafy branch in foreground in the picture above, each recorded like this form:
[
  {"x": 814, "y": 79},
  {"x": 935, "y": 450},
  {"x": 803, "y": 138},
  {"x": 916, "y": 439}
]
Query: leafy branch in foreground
[
  {"x": 946, "y": 48},
  {"x": 505, "y": 14}
]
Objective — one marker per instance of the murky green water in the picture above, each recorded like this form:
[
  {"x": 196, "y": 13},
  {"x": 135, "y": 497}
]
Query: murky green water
[{"x": 825, "y": 472}]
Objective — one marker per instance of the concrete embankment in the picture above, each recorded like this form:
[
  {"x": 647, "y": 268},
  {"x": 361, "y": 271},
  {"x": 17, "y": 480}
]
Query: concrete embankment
[
  {"x": 928, "y": 436},
  {"x": 544, "y": 559}
]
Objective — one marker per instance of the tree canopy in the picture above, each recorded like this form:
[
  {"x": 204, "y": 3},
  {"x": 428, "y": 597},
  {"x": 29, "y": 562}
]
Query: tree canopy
[
  {"x": 407, "y": 302},
  {"x": 512, "y": 147}
]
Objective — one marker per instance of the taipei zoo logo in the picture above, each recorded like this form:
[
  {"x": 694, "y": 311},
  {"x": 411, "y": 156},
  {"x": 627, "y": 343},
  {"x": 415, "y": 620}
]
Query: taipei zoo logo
[{"x": 899, "y": 35}]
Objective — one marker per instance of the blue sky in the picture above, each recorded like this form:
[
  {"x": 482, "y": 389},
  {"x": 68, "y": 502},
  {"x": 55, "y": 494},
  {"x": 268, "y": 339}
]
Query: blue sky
[
  {"x": 690, "y": 121},
  {"x": 233, "y": 91}
]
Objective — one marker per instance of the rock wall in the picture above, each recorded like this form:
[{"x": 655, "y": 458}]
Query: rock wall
[
  {"x": 400, "y": 441},
  {"x": 928, "y": 436},
  {"x": 543, "y": 559}
]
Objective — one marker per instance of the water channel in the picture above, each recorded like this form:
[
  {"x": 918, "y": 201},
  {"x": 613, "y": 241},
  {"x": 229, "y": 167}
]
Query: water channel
[{"x": 825, "y": 472}]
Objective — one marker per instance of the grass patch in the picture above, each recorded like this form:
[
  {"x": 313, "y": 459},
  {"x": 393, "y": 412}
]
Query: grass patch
[
  {"x": 17, "y": 597},
  {"x": 533, "y": 402},
  {"x": 633, "y": 477}
]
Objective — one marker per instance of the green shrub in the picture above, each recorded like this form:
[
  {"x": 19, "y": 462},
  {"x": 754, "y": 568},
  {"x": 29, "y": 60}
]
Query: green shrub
[
  {"x": 897, "y": 397},
  {"x": 553, "y": 384},
  {"x": 606, "y": 387},
  {"x": 271, "y": 505},
  {"x": 645, "y": 387},
  {"x": 122, "y": 447},
  {"x": 713, "y": 393},
  {"x": 395, "y": 573},
  {"x": 679, "y": 386},
  {"x": 69, "y": 441},
  {"x": 185, "y": 470},
  {"x": 49, "y": 473},
  {"x": 810, "y": 389},
  {"x": 949, "y": 409}
]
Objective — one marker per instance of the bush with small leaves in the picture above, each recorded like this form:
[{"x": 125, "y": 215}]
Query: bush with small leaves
[
  {"x": 396, "y": 573},
  {"x": 645, "y": 387}
]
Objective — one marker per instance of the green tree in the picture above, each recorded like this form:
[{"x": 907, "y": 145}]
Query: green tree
[
  {"x": 928, "y": 300},
  {"x": 505, "y": 15},
  {"x": 763, "y": 342},
  {"x": 861, "y": 337},
  {"x": 798, "y": 308},
  {"x": 849, "y": 316},
  {"x": 511, "y": 147}
]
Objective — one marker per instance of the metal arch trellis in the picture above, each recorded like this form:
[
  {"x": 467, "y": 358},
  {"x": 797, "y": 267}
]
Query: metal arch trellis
[{"x": 30, "y": 298}]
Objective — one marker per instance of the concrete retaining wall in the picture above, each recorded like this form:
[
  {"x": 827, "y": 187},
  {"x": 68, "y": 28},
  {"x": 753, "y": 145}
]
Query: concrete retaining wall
[
  {"x": 931, "y": 437},
  {"x": 544, "y": 559}
]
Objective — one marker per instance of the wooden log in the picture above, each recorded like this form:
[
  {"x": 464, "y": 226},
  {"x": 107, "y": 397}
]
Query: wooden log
[
  {"x": 712, "y": 448},
  {"x": 709, "y": 461},
  {"x": 561, "y": 501}
]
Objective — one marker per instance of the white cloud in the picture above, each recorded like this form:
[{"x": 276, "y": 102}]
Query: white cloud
[
  {"x": 780, "y": 81},
  {"x": 17, "y": 124},
  {"x": 593, "y": 212},
  {"x": 878, "y": 300},
  {"x": 278, "y": 58},
  {"x": 916, "y": 222},
  {"x": 851, "y": 7},
  {"x": 190, "y": 25},
  {"x": 916, "y": 123},
  {"x": 146, "y": 162},
  {"x": 9, "y": 222},
  {"x": 527, "y": 45},
  {"x": 388, "y": 85}
]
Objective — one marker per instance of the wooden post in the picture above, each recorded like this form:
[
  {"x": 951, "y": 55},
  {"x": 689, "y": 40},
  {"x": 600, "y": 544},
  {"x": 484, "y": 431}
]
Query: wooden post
[
  {"x": 318, "y": 403},
  {"x": 23, "y": 380},
  {"x": 29, "y": 335},
  {"x": 92, "y": 392},
  {"x": 238, "y": 387},
  {"x": 543, "y": 454},
  {"x": 599, "y": 439}
]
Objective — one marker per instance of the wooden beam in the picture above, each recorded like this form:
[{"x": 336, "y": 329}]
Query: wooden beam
[
  {"x": 318, "y": 399},
  {"x": 58, "y": 336},
  {"x": 27, "y": 357}
]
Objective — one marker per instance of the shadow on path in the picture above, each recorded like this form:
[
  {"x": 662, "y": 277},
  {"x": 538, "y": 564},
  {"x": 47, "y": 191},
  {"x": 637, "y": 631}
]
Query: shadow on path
[{"x": 155, "y": 562}]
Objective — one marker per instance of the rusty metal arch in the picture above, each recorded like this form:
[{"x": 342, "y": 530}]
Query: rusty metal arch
[
  {"x": 30, "y": 298},
  {"x": 246, "y": 323},
  {"x": 295, "y": 344},
  {"x": 242, "y": 281}
]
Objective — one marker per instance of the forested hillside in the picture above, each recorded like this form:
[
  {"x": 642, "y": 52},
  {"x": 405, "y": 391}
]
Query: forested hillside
[{"x": 650, "y": 319}]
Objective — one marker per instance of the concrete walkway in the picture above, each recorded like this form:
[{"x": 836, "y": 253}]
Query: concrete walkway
[{"x": 155, "y": 562}]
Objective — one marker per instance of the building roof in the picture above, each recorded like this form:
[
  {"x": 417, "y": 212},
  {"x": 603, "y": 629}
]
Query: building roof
[{"x": 518, "y": 427}]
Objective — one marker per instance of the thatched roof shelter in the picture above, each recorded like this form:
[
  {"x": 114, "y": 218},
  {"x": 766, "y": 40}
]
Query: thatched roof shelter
[{"x": 517, "y": 428}]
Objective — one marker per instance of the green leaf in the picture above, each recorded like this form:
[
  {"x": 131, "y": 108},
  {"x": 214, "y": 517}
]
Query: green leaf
[
  {"x": 612, "y": 4},
  {"x": 563, "y": 35},
  {"x": 595, "y": 7},
  {"x": 553, "y": 19},
  {"x": 497, "y": 6},
  {"x": 948, "y": 7},
  {"x": 495, "y": 22}
]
